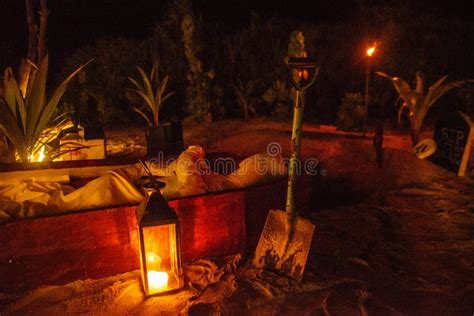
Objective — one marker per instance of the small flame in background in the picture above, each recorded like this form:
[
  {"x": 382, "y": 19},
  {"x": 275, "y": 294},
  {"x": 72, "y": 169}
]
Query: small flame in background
[
  {"x": 38, "y": 157},
  {"x": 41, "y": 155},
  {"x": 370, "y": 51}
]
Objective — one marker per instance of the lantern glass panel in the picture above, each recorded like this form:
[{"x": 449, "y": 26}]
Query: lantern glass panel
[{"x": 159, "y": 253}]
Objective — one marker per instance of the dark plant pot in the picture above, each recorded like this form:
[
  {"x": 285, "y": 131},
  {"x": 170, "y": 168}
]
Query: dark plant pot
[
  {"x": 166, "y": 138},
  {"x": 94, "y": 132}
]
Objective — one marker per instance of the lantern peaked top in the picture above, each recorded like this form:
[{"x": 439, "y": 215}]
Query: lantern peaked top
[{"x": 157, "y": 210}]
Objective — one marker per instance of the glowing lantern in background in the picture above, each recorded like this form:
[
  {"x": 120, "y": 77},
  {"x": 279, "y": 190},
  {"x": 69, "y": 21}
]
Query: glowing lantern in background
[{"x": 159, "y": 248}]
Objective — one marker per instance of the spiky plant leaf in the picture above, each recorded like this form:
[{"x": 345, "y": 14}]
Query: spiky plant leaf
[
  {"x": 437, "y": 90},
  {"x": 383, "y": 74},
  {"x": 9, "y": 126},
  {"x": 49, "y": 134},
  {"x": 434, "y": 93},
  {"x": 152, "y": 98},
  {"x": 161, "y": 87},
  {"x": 146, "y": 84},
  {"x": 143, "y": 115},
  {"x": 402, "y": 87},
  {"x": 13, "y": 98},
  {"x": 9, "y": 85},
  {"x": 166, "y": 96},
  {"x": 145, "y": 98},
  {"x": 48, "y": 109},
  {"x": 154, "y": 75},
  {"x": 419, "y": 103},
  {"x": 400, "y": 111},
  {"x": 35, "y": 112},
  {"x": 136, "y": 84},
  {"x": 419, "y": 84},
  {"x": 35, "y": 101}
]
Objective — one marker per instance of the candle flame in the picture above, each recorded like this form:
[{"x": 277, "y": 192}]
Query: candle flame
[
  {"x": 157, "y": 280},
  {"x": 151, "y": 257}
]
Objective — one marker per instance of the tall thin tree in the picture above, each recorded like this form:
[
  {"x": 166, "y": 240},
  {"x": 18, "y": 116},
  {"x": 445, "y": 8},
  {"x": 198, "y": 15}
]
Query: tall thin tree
[{"x": 36, "y": 41}]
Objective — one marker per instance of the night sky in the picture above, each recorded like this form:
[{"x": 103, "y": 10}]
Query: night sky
[{"x": 73, "y": 23}]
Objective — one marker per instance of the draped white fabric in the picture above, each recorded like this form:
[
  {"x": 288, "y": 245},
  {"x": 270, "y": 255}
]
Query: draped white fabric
[{"x": 186, "y": 176}]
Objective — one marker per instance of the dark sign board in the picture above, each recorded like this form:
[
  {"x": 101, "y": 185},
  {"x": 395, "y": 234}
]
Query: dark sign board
[{"x": 453, "y": 135}]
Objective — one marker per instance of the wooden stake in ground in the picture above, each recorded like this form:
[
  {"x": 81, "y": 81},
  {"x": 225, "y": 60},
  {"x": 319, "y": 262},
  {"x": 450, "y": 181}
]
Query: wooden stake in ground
[{"x": 286, "y": 238}]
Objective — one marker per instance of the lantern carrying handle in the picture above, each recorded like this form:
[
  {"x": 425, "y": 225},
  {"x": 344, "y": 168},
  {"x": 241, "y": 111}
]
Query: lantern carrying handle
[{"x": 156, "y": 184}]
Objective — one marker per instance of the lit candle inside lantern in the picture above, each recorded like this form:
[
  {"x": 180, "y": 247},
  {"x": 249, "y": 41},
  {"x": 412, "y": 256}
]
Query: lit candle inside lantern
[{"x": 157, "y": 280}]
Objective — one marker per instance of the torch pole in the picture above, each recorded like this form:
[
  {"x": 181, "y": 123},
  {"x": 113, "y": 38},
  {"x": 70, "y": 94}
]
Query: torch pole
[{"x": 366, "y": 99}]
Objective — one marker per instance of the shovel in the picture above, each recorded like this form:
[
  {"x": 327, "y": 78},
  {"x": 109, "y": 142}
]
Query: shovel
[{"x": 286, "y": 238}]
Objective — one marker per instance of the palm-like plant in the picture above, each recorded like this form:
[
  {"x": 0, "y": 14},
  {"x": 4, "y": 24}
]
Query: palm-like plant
[
  {"x": 24, "y": 119},
  {"x": 416, "y": 101},
  {"x": 152, "y": 93}
]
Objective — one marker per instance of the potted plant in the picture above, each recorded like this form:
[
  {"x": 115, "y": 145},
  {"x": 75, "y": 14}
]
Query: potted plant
[
  {"x": 417, "y": 101},
  {"x": 25, "y": 120},
  {"x": 160, "y": 137}
]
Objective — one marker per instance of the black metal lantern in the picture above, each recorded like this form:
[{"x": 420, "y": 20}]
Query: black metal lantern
[{"x": 159, "y": 246}]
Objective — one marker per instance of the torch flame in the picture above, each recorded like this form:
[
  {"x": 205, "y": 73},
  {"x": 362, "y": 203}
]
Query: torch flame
[{"x": 370, "y": 51}]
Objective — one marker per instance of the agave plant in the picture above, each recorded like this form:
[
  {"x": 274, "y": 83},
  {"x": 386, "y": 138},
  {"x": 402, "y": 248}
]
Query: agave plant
[
  {"x": 152, "y": 92},
  {"x": 416, "y": 101},
  {"x": 24, "y": 119}
]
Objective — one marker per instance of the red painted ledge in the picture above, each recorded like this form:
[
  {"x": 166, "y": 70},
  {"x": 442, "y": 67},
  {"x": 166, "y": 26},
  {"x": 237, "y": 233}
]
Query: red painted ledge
[{"x": 99, "y": 243}]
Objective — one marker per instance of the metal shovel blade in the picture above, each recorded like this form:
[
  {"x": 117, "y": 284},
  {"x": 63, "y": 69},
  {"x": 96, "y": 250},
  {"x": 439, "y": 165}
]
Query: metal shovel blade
[{"x": 275, "y": 251}]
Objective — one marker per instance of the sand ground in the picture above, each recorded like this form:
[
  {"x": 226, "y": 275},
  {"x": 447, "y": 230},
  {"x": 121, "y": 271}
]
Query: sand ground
[{"x": 406, "y": 247}]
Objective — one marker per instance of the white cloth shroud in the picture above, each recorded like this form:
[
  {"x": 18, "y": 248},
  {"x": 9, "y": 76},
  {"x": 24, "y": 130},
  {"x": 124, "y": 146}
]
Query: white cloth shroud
[{"x": 186, "y": 176}]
